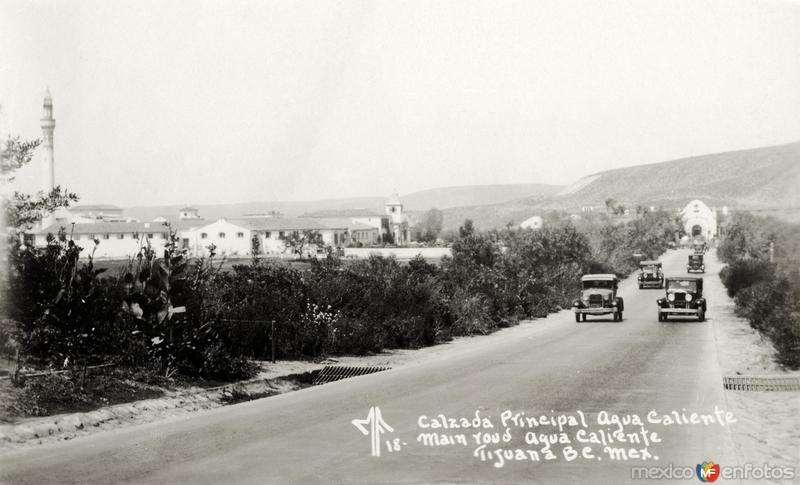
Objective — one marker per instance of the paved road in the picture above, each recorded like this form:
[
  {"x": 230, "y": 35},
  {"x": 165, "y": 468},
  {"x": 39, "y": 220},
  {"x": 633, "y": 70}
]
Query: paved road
[{"x": 548, "y": 366}]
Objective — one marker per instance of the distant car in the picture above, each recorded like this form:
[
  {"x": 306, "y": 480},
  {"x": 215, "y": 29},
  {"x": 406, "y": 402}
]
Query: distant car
[
  {"x": 684, "y": 296},
  {"x": 650, "y": 275},
  {"x": 695, "y": 264},
  {"x": 598, "y": 297}
]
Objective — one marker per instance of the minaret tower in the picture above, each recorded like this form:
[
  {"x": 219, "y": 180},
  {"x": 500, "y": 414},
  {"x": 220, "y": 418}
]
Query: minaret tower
[{"x": 48, "y": 126}]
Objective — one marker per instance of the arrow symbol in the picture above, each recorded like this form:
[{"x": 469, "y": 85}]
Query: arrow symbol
[{"x": 377, "y": 426}]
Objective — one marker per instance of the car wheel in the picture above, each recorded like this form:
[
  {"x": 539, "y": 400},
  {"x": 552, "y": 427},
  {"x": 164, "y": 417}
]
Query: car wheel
[
  {"x": 583, "y": 317},
  {"x": 578, "y": 317},
  {"x": 660, "y": 317},
  {"x": 619, "y": 316},
  {"x": 702, "y": 315}
]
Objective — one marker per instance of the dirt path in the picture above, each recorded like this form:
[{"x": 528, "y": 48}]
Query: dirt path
[{"x": 768, "y": 430}]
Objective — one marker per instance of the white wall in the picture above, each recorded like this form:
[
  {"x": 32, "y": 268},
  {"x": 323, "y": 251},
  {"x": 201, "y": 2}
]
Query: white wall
[
  {"x": 399, "y": 253},
  {"x": 231, "y": 244}
]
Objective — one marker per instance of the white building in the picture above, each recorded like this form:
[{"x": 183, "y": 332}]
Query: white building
[
  {"x": 229, "y": 237},
  {"x": 699, "y": 220},
  {"x": 96, "y": 212},
  {"x": 104, "y": 232},
  {"x": 398, "y": 222},
  {"x": 535, "y": 222},
  {"x": 189, "y": 213}
]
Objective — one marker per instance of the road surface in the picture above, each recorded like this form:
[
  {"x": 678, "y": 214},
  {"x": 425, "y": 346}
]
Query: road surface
[{"x": 548, "y": 367}]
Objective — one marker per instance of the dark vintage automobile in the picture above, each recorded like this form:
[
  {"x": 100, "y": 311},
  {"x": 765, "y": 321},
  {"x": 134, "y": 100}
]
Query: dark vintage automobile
[
  {"x": 650, "y": 275},
  {"x": 598, "y": 297},
  {"x": 684, "y": 297},
  {"x": 695, "y": 264}
]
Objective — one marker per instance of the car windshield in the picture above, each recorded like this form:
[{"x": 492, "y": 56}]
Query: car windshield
[
  {"x": 598, "y": 284},
  {"x": 682, "y": 285},
  {"x": 696, "y": 257},
  {"x": 650, "y": 268}
]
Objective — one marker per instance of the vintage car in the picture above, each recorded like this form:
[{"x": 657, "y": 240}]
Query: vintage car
[
  {"x": 598, "y": 297},
  {"x": 695, "y": 264},
  {"x": 684, "y": 297},
  {"x": 650, "y": 275}
]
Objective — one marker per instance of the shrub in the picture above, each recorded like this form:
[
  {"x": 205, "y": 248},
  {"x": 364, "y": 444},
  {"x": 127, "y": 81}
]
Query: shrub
[
  {"x": 43, "y": 395},
  {"x": 746, "y": 272},
  {"x": 220, "y": 364},
  {"x": 766, "y": 294}
]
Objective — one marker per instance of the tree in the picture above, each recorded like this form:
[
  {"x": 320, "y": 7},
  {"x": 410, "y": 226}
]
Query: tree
[
  {"x": 255, "y": 245},
  {"x": 431, "y": 226},
  {"x": 611, "y": 204},
  {"x": 466, "y": 229},
  {"x": 21, "y": 210},
  {"x": 14, "y": 155},
  {"x": 298, "y": 240}
]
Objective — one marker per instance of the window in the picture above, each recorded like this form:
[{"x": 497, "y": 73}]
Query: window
[
  {"x": 203, "y": 235},
  {"x": 121, "y": 235},
  {"x": 280, "y": 235},
  {"x": 221, "y": 235},
  {"x": 106, "y": 236},
  {"x": 268, "y": 234},
  {"x": 240, "y": 235},
  {"x": 136, "y": 235},
  {"x": 150, "y": 235}
]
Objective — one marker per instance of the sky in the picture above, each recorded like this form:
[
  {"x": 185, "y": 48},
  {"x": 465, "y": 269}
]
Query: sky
[{"x": 229, "y": 101}]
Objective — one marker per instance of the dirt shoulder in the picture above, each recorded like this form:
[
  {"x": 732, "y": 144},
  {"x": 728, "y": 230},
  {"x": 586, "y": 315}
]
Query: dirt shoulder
[
  {"x": 274, "y": 378},
  {"x": 768, "y": 430}
]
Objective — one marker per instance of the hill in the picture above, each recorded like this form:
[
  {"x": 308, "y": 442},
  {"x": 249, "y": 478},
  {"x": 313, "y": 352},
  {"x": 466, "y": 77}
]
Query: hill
[
  {"x": 475, "y": 195},
  {"x": 755, "y": 178},
  {"x": 762, "y": 179},
  {"x": 443, "y": 197}
]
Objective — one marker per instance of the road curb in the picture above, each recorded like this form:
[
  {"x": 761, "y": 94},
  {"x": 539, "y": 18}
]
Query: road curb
[{"x": 67, "y": 426}]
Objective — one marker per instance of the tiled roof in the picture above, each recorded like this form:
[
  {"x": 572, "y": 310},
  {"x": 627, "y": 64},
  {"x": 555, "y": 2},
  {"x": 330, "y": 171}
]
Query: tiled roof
[
  {"x": 287, "y": 224},
  {"x": 105, "y": 227},
  {"x": 358, "y": 226},
  {"x": 344, "y": 223},
  {"x": 253, "y": 224},
  {"x": 94, "y": 207}
]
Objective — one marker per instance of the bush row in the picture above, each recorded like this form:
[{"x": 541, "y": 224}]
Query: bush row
[
  {"x": 191, "y": 318},
  {"x": 762, "y": 276}
]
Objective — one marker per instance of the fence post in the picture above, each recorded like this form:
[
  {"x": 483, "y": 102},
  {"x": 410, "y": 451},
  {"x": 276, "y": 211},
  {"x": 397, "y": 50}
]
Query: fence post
[{"x": 272, "y": 338}]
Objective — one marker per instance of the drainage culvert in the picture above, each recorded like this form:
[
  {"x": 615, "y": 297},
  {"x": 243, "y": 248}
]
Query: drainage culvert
[
  {"x": 761, "y": 383},
  {"x": 332, "y": 373}
]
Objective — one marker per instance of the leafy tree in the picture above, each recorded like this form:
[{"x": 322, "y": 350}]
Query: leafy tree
[
  {"x": 14, "y": 155},
  {"x": 23, "y": 211},
  {"x": 299, "y": 240},
  {"x": 431, "y": 226},
  {"x": 467, "y": 229},
  {"x": 255, "y": 245}
]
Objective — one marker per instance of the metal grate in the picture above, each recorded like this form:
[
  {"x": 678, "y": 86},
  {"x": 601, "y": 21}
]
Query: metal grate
[
  {"x": 331, "y": 373},
  {"x": 761, "y": 383}
]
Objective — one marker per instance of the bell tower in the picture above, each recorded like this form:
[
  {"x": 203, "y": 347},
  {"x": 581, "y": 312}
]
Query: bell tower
[
  {"x": 394, "y": 209},
  {"x": 48, "y": 127}
]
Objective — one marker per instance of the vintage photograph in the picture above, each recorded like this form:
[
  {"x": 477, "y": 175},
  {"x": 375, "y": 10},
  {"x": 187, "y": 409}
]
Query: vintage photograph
[{"x": 399, "y": 242}]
